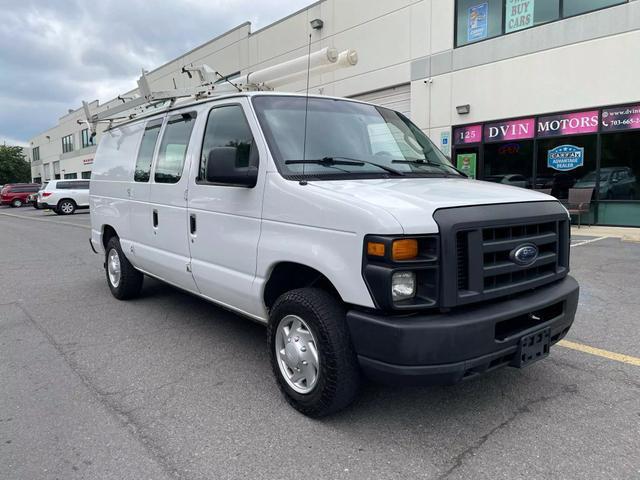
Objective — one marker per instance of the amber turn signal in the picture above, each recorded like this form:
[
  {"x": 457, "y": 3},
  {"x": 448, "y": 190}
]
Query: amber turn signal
[
  {"x": 405, "y": 249},
  {"x": 375, "y": 249}
]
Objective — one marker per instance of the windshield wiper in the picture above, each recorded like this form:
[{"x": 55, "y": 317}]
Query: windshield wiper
[
  {"x": 331, "y": 161},
  {"x": 428, "y": 163}
]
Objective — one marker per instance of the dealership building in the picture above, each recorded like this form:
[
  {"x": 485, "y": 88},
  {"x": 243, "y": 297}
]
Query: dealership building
[{"x": 537, "y": 94}]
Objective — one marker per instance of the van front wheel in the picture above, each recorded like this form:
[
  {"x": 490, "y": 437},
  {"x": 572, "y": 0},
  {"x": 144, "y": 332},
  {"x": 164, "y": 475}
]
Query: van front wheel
[
  {"x": 311, "y": 352},
  {"x": 124, "y": 280}
]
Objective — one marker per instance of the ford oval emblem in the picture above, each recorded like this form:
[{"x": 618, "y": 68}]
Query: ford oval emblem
[{"x": 524, "y": 255}]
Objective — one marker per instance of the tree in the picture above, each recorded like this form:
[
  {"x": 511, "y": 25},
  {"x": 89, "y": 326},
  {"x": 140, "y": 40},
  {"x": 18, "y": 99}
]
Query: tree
[{"x": 14, "y": 167}]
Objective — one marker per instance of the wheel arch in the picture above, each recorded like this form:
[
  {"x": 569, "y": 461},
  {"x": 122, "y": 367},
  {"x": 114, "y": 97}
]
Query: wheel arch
[
  {"x": 287, "y": 276},
  {"x": 67, "y": 198},
  {"x": 108, "y": 232}
]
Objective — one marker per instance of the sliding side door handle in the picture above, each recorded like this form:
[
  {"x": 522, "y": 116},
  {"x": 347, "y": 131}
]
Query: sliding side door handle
[{"x": 192, "y": 223}]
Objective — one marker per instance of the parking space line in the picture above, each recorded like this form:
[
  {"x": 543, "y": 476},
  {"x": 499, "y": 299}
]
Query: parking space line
[
  {"x": 45, "y": 220},
  {"x": 618, "y": 357},
  {"x": 591, "y": 240}
]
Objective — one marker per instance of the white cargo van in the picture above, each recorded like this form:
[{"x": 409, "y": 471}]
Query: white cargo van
[{"x": 354, "y": 240}]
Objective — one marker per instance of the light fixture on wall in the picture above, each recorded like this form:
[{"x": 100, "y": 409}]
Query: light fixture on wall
[
  {"x": 317, "y": 24},
  {"x": 463, "y": 109}
]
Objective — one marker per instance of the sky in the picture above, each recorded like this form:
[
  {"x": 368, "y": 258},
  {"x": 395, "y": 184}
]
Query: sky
[{"x": 56, "y": 53}]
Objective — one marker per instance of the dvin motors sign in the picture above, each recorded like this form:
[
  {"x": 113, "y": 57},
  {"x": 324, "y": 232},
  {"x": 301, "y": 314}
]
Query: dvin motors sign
[
  {"x": 510, "y": 130},
  {"x": 565, "y": 158}
]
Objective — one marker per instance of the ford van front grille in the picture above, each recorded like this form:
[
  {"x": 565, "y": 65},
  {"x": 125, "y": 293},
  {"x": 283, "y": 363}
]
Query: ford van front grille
[{"x": 499, "y": 250}]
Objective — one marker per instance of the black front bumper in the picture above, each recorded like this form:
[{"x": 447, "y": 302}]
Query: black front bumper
[{"x": 446, "y": 348}]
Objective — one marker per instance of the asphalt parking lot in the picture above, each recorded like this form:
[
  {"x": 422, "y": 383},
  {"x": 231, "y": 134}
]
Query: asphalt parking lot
[{"x": 171, "y": 387}]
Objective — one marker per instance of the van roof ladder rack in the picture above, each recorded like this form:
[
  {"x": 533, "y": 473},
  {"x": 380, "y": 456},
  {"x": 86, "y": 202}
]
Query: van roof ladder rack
[{"x": 212, "y": 84}]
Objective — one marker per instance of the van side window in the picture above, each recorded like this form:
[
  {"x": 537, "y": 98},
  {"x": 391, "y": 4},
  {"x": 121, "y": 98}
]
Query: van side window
[
  {"x": 145, "y": 154},
  {"x": 227, "y": 127},
  {"x": 173, "y": 148}
]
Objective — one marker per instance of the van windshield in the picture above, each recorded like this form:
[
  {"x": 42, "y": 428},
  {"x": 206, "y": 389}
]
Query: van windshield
[{"x": 345, "y": 139}]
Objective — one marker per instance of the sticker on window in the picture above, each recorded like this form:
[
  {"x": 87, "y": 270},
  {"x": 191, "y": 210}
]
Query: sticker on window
[
  {"x": 565, "y": 158},
  {"x": 477, "y": 26}
]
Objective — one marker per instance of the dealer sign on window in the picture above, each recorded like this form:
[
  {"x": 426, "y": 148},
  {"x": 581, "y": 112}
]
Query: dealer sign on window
[
  {"x": 519, "y": 14},
  {"x": 565, "y": 158}
]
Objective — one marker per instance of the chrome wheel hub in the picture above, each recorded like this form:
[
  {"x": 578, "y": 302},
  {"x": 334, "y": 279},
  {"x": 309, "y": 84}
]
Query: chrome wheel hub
[
  {"x": 297, "y": 354},
  {"x": 66, "y": 207},
  {"x": 113, "y": 267}
]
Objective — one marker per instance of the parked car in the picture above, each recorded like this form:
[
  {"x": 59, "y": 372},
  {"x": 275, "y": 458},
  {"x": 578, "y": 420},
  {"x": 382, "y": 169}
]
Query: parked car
[
  {"x": 615, "y": 183},
  {"x": 15, "y": 194},
  {"x": 515, "y": 180},
  {"x": 362, "y": 249},
  {"x": 64, "y": 197}
]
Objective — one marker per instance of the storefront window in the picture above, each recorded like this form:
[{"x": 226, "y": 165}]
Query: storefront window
[
  {"x": 620, "y": 166},
  {"x": 576, "y": 7},
  {"x": 478, "y": 20},
  {"x": 565, "y": 162},
  {"x": 509, "y": 163},
  {"x": 593, "y": 149},
  {"x": 521, "y": 14}
]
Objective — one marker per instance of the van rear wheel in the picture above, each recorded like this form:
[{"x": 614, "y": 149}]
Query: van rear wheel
[
  {"x": 311, "y": 352},
  {"x": 16, "y": 203},
  {"x": 125, "y": 282}
]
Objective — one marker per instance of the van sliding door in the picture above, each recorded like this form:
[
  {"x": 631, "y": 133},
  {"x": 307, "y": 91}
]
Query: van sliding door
[{"x": 165, "y": 215}]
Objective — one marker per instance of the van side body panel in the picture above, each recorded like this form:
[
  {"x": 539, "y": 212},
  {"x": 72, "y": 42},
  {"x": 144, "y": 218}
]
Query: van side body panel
[{"x": 111, "y": 176}]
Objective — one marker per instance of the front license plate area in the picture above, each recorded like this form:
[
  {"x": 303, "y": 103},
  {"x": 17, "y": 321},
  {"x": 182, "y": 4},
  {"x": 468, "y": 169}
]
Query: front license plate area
[{"x": 532, "y": 347}]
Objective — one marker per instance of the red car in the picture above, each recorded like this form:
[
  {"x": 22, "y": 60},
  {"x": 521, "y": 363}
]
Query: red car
[{"x": 15, "y": 194}]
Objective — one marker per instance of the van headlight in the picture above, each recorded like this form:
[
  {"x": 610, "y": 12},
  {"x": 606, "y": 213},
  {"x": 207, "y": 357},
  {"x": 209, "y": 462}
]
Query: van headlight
[
  {"x": 403, "y": 286},
  {"x": 402, "y": 273}
]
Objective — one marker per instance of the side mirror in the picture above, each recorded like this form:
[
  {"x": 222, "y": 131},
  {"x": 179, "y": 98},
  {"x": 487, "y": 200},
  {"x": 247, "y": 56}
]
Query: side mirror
[{"x": 224, "y": 166}]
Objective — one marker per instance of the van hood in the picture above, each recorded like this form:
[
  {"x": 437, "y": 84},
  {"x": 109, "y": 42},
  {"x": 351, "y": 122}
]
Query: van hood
[{"x": 413, "y": 201}]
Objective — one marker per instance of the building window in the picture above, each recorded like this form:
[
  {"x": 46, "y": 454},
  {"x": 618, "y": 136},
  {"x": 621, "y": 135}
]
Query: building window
[
  {"x": 37, "y": 179},
  {"x": 67, "y": 144},
  {"x": 576, "y": 7},
  {"x": 68, "y": 176},
  {"x": 87, "y": 139},
  {"x": 478, "y": 20},
  {"x": 35, "y": 153},
  {"x": 86, "y": 175}
]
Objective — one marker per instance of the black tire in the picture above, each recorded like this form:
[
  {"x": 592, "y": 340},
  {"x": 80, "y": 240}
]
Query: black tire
[
  {"x": 66, "y": 207},
  {"x": 16, "y": 203},
  {"x": 130, "y": 283},
  {"x": 339, "y": 376}
]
